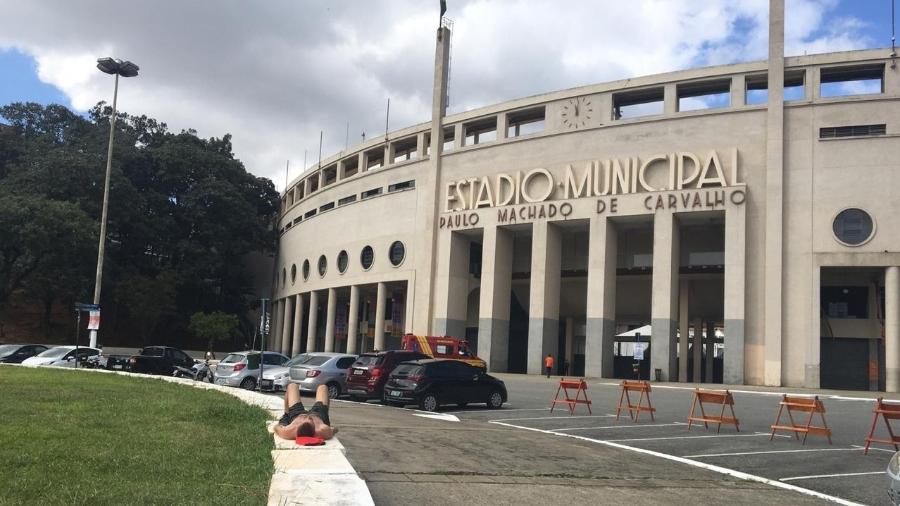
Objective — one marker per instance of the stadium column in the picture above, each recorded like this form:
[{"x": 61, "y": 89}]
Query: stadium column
[
  {"x": 286, "y": 316},
  {"x": 892, "y": 329},
  {"x": 698, "y": 351},
  {"x": 379, "y": 316},
  {"x": 275, "y": 325},
  {"x": 452, "y": 285},
  {"x": 601, "y": 298},
  {"x": 313, "y": 321},
  {"x": 298, "y": 325},
  {"x": 710, "y": 349},
  {"x": 496, "y": 286},
  {"x": 329, "y": 320},
  {"x": 735, "y": 289},
  {"x": 353, "y": 320},
  {"x": 543, "y": 315},
  {"x": 664, "y": 298},
  {"x": 683, "y": 331}
]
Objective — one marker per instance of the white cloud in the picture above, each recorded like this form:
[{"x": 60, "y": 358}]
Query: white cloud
[{"x": 275, "y": 73}]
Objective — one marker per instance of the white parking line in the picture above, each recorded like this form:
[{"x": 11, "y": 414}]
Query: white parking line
[
  {"x": 772, "y": 451},
  {"x": 622, "y": 426},
  {"x": 695, "y": 463},
  {"x": 503, "y": 410},
  {"x": 757, "y": 434},
  {"x": 814, "y": 476},
  {"x": 872, "y": 448},
  {"x": 551, "y": 418}
]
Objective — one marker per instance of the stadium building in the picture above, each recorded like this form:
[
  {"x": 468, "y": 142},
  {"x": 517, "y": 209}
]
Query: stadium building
[{"x": 733, "y": 224}]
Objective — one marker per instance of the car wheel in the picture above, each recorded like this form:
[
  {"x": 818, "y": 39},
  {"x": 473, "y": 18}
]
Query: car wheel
[
  {"x": 495, "y": 400},
  {"x": 428, "y": 402},
  {"x": 334, "y": 390},
  {"x": 249, "y": 383}
]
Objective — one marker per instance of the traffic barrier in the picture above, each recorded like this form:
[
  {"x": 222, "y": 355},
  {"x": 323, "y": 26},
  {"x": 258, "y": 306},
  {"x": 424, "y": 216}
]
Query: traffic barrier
[
  {"x": 717, "y": 397},
  {"x": 802, "y": 405},
  {"x": 634, "y": 410},
  {"x": 887, "y": 412},
  {"x": 565, "y": 385}
]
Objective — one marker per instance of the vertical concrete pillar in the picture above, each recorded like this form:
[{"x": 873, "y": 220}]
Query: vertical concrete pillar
[
  {"x": 774, "y": 195},
  {"x": 812, "y": 83},
  {"x": 353, "y": 320},
  {"x": 813, "y": 359},
  {"x": 664, "y": 297},
  {"x": 459, "y": 138},
  {"x": 698, "y": 353},
  {"x": 683, "y": 330},
  {"x": 892, "y": 329},
  {"x": 570, "y": 345},
  {"x": 735, "y": 290},
  {"x": 738, "y": 91},
  {"x": 298, "y": 325},
  {"x": 452, "y": 286},
  {"x": 329, "y": 320},
  {"x": 313, "y": 321},
  {"x": 379, "y": 316},
  {"x": 496, "y": 287},
  {"x": 710, "y": 351},
  {"x": 543, "y": 320},
  {"x": 287, "y": 329},
  {"x": 670, "y": 99},
  {"x": 421, "y": 147},
  {"x": 601, "y": 298},
  {"x": 388, "y": 154},
  {"x": 502, "y": 125},
  {"x": 361, "y": 164},
  {"x": 275, "y": 325}
]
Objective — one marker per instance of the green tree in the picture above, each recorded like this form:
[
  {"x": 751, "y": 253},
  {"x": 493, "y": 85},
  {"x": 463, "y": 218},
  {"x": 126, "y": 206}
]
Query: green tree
[{"x": 213, "y": 327}]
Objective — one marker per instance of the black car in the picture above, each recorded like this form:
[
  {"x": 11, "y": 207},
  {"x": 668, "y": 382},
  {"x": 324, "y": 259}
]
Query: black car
[
  {"x": 431, "y": 383},
  {"x": 16, "y": 353},
  {"x": 159, "y": 360},
  {"x": 368, "y": 374}
]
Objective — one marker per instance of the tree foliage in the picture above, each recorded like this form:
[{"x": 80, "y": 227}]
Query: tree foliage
[
  {"x": 213, "y": 327},
  {"x": 183, "y": 212}
]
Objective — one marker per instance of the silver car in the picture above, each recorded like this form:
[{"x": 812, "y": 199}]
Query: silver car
[
  {"x": 322, "y": 369},
  {"x": 241, "y": 368},
  {"x": 276, "y": 379}
]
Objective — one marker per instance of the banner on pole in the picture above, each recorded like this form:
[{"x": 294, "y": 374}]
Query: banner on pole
[{"x": 94, "y": 320}]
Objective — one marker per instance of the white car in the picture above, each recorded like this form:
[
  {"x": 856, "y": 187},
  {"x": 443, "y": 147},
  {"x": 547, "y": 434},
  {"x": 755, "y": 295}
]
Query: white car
[
  {"x": 62, "y": 356},
  {"x": 277, "y": 378}
]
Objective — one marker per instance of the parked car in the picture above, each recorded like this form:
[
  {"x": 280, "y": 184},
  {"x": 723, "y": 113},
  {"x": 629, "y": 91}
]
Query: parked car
[
  {"x": 16, "y": 353},
  {"x": 241, "y": 368},
  {"x": 62, "y": 356},
  {"x": 277, "y": 378},
  {"x": 159, "y": 360},
  {"x": 893, "y": 472},
  {"x": 323, "y": 369},
  {"x": 370, "y": 372},
  {"x": 431, "y": 383}
]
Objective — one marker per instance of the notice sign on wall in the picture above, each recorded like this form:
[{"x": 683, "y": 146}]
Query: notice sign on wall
[{"x": 94, "y": 320}]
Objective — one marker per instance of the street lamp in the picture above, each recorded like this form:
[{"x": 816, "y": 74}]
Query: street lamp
[{"x": 124, "y": 69}]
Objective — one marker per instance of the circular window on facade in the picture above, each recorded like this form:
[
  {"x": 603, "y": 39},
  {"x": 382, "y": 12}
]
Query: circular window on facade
[
  {"x": 293, "y": 273},
  {"x": 342, "y": 261},
  {"x": 305, "y": 270},
  {"x": 323, "y": 265},
  {"x": 853, "y": 227},
  {"x": 397, "y": 253},
  {"x": 367, "y": 257}
]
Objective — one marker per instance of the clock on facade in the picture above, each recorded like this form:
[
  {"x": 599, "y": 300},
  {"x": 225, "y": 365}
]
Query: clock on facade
[{"x": 576, "y": 112}]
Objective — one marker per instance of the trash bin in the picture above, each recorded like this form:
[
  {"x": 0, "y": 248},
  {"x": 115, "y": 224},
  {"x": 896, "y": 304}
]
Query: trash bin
[{"x": 658, "y": 374}]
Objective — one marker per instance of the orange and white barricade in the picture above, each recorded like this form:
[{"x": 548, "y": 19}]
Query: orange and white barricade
[
  {"x": 718, "y": 398},
  {"x": 580, "y": 387},
  {"x": 642, "y": 388},
  {"x": 802, "y": 405},
  {"x": 887, "y": 412}
]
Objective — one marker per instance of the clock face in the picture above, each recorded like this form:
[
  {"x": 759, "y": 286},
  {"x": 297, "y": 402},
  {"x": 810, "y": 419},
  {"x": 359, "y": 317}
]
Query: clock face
[{"x": 577, "y": 112}]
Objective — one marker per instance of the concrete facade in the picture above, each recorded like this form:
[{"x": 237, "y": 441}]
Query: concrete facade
[{"x": 556, "y": 223}]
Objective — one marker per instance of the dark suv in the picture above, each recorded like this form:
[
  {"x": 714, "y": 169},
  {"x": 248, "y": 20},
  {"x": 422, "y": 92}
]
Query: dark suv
[
  {"x": 367, "y": 376},
  {"x": 431, "y": 383}
]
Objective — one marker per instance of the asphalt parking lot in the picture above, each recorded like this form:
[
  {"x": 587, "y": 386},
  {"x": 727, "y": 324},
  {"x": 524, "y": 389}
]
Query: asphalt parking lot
[{"x": 524, "y": 440}]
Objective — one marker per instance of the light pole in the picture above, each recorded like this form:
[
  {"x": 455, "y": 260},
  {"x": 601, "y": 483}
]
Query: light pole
[{"x": 124, "y": 69}]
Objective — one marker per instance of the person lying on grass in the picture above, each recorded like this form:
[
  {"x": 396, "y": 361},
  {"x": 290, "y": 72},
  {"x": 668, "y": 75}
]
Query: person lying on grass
[{"x": 297, "y": 421}]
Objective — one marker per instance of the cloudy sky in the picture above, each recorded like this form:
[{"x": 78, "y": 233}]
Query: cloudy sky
[{"x": 275, "y": 73}]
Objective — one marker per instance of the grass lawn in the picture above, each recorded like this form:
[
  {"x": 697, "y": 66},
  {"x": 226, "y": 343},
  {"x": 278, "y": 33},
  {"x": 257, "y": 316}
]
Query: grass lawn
[{"x": 69, "y": 437}]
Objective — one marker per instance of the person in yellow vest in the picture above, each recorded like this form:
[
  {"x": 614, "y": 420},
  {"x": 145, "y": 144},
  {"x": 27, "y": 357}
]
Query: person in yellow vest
[{"x": 548, "y": 364}]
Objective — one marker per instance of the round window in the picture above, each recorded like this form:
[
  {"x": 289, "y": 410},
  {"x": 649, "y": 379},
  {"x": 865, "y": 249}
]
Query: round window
[
  {"x": 342, "y": 261},
  {"x": 305, "y": 270},
  {"x": 397, "y": 253},
  {"x": 323, "y": 265},
  {"x": 366, "y": 257},
  {"x": 853, "y": 227},
  {"x": 293, "y": 273}
]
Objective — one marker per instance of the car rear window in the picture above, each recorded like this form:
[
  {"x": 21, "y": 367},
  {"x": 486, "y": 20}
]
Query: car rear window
[
  {"x": 408, "y": 370},
  {"x": 8, "y": 349},
  {"x": 365, "y": 360},
  {"x": 299, "y": 359},
  {"x": 232, "y": 359},
  {"x": 153, "y": 352},
  {"x": 317, "y": 360}
]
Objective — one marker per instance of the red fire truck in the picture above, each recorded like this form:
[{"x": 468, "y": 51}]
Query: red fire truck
[{"x": 443, "y": 347}]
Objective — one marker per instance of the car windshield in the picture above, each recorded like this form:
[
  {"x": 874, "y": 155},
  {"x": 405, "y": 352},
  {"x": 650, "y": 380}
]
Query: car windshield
[
  {"x": 153, "y": 352},
  {"x": 408, "y": 370},
  {"x": 8, "y": 349},
  {"x": 55, "y": 352},
  {"x": 299, "y": 359},
  {"x": 233, "y": 358},
  {"x": 317, "y": 360},
  {"x": 364, "y": 360}
]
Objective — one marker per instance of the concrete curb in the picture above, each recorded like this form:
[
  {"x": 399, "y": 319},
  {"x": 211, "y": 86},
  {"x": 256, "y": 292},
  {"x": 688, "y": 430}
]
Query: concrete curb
[{"x": 319, "y": 475}]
